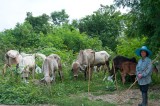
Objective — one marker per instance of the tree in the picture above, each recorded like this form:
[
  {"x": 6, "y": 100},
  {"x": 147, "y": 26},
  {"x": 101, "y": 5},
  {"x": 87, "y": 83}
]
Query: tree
[
  {"x": 75, "y": 23},
  {"x": 6, "y": 43},
  {"x": 105, "y": 24},
  {"x": 76, "y": 41},
  {"x": 60, "y": 17},
  {"x": 25, "y": 37},
  {"x": 143, "y": 20},
  {"x": 39, "y": 23}
]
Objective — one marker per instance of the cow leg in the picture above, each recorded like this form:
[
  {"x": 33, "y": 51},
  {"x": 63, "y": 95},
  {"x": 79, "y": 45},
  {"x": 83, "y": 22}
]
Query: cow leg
[
  {"x": 4, "y": 69},
  {"x": 98, "y": 68},
  {"x": 60, "y": 73},
  {"x": 123, "y": 77},
  {"x": 25, "y": 75},
  {"x": 25, "y": 79},
  {"x": 107, "y": 64},
  {"x": 53, "y": 76},
  {"x": 17, "y": 66},
  {"x": 11, "y": 72},
  {"x": 105, "y": 68},
  {"x": 33, "y": 72},
  {"x": 85, "y": 74},
  {"x": 73, "y": 74}
]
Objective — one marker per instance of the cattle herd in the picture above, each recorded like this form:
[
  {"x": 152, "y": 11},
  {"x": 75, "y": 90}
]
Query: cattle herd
[{"x": 87, "y": 61}]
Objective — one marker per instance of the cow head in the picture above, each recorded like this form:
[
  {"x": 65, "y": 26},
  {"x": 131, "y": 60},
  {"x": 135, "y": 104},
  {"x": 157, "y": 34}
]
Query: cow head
[
  {"x": 46, "y": 79},
  {"x": 75, "y": 69},
  {"x": 12, "y": 57}
]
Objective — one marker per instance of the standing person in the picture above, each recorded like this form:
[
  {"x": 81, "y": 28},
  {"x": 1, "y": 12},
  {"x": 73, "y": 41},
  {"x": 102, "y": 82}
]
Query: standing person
[{"x": 143, "y": 73}]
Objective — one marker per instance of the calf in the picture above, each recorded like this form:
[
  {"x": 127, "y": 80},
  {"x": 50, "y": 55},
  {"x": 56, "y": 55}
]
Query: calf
[{"x": 127, "y": 68}]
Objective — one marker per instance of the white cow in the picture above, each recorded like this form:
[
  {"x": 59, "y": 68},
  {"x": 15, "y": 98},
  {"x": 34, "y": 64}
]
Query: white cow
[
  {"x": 50, "y": 65},
  {"x": 28, "y": 63},
  {"x": 91, "y": 58},
  {"x": 102, "y": 60},
  {"x": 86, "y": 60},
  {"x": 12, "y": 57}
]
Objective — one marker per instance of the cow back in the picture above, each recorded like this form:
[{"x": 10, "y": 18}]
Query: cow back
[
  {"x": 118, "y": 60},
  {"x": 86, "y": 57}
]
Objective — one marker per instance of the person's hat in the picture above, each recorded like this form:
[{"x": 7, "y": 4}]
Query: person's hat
[{"x": 143, "y": 48}]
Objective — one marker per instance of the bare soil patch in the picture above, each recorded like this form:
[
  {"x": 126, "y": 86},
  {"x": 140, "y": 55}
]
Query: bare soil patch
[{"x": 126, "y": 98}]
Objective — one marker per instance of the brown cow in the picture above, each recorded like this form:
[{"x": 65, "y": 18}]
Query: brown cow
[
  {"x": 127, "y": 68},
  {"x": 117, "y": 64}
]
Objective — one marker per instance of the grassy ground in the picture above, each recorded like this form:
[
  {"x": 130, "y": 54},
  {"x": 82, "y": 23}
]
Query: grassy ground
[
  {"x": 14, "y": 91},
  {"x": 66, "y": 93}
]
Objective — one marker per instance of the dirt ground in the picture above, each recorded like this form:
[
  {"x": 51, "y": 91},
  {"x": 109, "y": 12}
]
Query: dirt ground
[{"x": 126, "y": 98}]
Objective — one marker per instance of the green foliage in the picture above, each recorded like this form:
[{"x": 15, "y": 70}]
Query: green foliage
[
  {"x": 155, "y": 78},
  {"x": 60, "y": 17},
  {"x": 127, "y": 46},
  {"x": 104, "y": 24},
  {"x": 143, "y": 20},
  {"x": 51, "y": 40},
  {"x": 12, "y": 93},
  {"x": 71, "y": 40},
  {"x": 6, "y": 40},
  {"x": 110, "y": 86},
  {"x": 25, "y": 37},
  {"x": 39, "y": 23}
]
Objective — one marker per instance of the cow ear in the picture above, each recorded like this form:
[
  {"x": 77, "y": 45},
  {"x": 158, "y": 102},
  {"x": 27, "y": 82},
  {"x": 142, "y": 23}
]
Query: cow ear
[{"x": 81, "y": 52}]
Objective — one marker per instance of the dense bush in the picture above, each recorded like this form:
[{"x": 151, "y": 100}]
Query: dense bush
[{"x": 127, "y": 46}]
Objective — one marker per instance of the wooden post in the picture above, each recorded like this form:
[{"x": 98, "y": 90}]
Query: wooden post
[{"x": 88, "y": 77}]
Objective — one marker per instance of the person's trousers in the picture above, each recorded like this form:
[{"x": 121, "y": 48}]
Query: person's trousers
[{"x": 144, "y": 91}]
